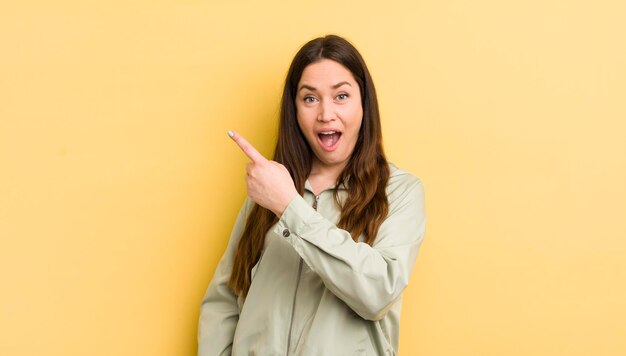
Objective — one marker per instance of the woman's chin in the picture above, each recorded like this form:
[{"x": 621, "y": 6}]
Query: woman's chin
[{"x": 327, "y": 161}]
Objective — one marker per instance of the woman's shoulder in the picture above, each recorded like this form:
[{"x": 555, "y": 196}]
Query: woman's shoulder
[
  {"x": 399, "y": 178},
  {"x": 403, "y": 189}
]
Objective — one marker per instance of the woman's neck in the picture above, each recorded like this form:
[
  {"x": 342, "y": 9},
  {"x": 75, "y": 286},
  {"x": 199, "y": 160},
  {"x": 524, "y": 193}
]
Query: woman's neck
[{"x": 322, "y": 176}]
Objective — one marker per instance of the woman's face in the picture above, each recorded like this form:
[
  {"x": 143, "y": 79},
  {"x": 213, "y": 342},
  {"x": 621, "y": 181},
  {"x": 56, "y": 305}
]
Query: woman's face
[{"x": 329, "y": 111}]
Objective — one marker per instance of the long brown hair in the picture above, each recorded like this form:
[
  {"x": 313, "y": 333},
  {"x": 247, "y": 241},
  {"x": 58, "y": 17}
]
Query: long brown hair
[{"x": 365, "y": 175}]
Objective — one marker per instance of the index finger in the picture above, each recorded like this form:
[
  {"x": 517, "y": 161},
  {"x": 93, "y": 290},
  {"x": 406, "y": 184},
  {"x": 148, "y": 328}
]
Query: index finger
[{"x": 246, "y": 147}]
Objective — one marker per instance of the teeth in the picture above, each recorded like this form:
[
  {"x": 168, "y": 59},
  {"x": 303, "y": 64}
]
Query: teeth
[{"x": 327, "y": 132}]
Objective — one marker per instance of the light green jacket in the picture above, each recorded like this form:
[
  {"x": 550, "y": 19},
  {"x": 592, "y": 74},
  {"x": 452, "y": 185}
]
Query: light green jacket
[{"x": 314, "y": 290}]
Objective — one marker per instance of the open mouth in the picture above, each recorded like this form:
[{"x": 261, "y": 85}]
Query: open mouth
[{"x": 329, "y": 139}]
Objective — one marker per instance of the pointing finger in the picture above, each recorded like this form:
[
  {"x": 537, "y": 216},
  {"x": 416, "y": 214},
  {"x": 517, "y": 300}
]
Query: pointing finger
[{"x": 246, "y": 147}]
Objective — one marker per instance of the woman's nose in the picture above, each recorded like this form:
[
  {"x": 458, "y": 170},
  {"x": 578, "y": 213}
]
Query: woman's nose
[{"x": 327, "y": 111}]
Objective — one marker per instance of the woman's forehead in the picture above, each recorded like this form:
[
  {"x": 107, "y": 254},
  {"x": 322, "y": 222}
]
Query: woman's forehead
[{"x": 326, "y": 73}]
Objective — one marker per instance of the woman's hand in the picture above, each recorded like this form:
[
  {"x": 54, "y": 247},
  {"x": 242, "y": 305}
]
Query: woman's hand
[{"x": 269, "y": 183}]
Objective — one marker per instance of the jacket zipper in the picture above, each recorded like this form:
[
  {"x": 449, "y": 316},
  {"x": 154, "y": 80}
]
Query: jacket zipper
[{"x": 293, "y": 305}]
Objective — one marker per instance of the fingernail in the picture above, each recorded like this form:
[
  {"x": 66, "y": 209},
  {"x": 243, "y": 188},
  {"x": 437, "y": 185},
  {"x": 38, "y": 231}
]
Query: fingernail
[{"x": 230, "y": 133}]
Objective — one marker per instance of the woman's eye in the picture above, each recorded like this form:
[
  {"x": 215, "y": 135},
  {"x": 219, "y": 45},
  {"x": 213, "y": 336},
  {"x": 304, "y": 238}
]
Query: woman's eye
[
  {"x": 342, "y": 96},
  {"x": 309, "y": 99}
]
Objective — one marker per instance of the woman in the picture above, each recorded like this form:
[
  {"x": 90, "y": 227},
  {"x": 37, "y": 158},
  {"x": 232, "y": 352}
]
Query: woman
[{"x": 325, "y": 244}]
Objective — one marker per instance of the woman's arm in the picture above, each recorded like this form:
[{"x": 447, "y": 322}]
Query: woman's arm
[
  {"x": 219, "y": 312},
  {"x": 367, "y": 278}
]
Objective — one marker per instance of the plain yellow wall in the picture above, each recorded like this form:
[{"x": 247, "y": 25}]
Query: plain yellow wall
[{"x": 119, "y": 186}]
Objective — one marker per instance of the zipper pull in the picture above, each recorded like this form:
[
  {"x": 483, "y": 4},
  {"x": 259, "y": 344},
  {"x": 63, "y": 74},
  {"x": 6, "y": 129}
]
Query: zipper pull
[{"x": 317, "y": 198}]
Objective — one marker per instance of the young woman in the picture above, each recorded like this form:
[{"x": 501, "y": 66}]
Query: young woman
[{"x": 325, "y": 243}]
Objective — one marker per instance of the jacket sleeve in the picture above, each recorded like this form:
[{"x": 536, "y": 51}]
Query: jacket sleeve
[
  {"x": 219, "y": 311},
  {"x": 369, "y": 279}
]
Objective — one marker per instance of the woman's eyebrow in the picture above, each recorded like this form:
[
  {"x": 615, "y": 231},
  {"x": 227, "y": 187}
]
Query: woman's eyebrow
[
  {"x": 340, "y": 84},
  {"x": 305, "y": 86}
]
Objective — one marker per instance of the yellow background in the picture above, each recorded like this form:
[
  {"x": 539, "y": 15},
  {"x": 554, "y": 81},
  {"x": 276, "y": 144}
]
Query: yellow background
[{"x": 119, "y": 186}]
